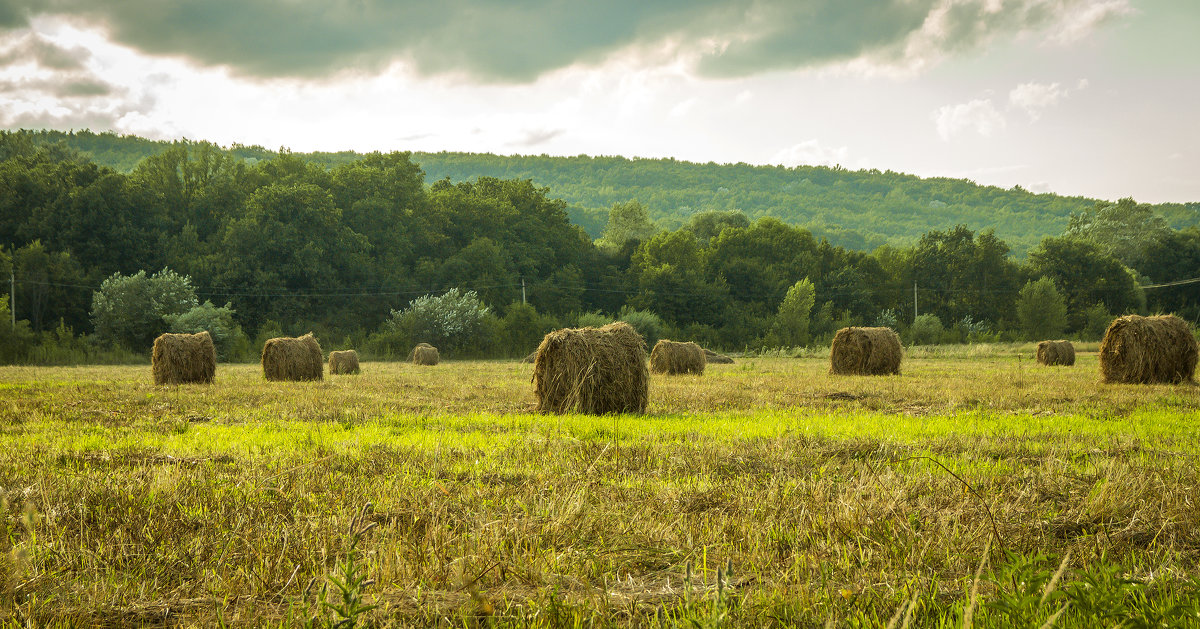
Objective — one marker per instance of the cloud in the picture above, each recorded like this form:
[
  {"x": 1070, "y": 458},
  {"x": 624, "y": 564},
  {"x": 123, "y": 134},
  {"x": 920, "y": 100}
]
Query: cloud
[
  {"x": 811, "y": 153},
  {"x": 1034, "y": 97},
  {"x": 45, "y": 54},
  {"x": 1079, "y": 24},
  {"x": 977, "y": 115},
  {"x": 534, "y": 137},
  {"x": 519, "y": 41}
]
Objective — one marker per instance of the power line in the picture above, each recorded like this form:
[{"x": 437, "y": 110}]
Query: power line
[{"x": 1176, "y": 283}]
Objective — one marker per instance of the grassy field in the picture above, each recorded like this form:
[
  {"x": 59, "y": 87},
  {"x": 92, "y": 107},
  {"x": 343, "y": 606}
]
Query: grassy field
[{"x": 976, "y": 489}]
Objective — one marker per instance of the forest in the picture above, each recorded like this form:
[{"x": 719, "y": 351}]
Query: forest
[{"x": 110, "y": 240}]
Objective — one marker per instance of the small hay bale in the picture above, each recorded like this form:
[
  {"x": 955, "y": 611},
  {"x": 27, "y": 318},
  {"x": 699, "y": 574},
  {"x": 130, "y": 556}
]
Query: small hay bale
[
  {"x": 592, "y": 370},
  {"x": 1146, "y": 350},
  {"x": 865, "y": 352},
  {"x": 714, "y": 358},
  {"x": 183, "y": 359},
  {"x": 530, "y": 358},
  {"x": 671, "y": 358},
  {"x": 1056, "y": 353},
  {"x": 298, "y": 358},
  {"x": 424, "y": 354},
  {"x": 343, "y": 362}
]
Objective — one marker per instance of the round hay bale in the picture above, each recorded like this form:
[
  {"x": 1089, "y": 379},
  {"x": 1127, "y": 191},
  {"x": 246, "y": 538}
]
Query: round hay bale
[
  {"x": 183, "y": 359},
  {"x": 865, "y": 352},
  {"x": 1056, "y": 353},
  {"x": 343, "y": 362},
  {"x": 424, "y": 354},
  {"x": 297, "y": 358},
  {"x": 714, "y": 358},
  {"x": 1146, "y": 350},
  {"x": 532, "y": 356},
  {"x": 671, "y": 358},
  {"x": 592, "y": 370}
]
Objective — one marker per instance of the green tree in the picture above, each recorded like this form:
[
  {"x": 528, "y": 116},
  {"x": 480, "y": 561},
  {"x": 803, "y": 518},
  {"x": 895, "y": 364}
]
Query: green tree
[
  {"x": 1041, "y": 310},
  {"x": 628, "y": 221},
  {"x": 1086, "y": 275},
  {"x": 1125, "y": 230},
  {"x": 791, "y": 323},
  {"x": 130, "y": 310}
]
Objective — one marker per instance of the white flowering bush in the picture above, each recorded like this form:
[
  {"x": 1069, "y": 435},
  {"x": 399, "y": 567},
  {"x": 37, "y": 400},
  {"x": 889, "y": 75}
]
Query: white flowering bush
[
  {"x": 130, "y": 310},
  {"x": 456, "y": 322}
]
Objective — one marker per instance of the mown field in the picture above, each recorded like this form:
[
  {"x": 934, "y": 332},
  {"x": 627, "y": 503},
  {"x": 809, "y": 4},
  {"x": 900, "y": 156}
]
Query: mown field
[{"x": 975, "y": 489}]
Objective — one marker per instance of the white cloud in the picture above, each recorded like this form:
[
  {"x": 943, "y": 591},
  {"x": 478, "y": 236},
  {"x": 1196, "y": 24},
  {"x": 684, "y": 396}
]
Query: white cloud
[
  {"x": 977, "y": 115},
  {"x": 1076, "y": 25},
  {"x": 1034, "y": 97},
  {"x": 811, "y": 153}
]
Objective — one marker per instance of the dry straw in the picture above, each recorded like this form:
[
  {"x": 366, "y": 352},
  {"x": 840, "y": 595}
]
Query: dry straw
[
  {"x": 1056, "y": 353},
  {"x": 343, "y": 362},
  {"x": 714, "y": 358},
  {"x": 183, "y": 358},
  {"x": 424, "y": 354},
  {"x": 293, "y": 358},
  {"x": 669, "y": 357},
  {"x": 1145, "y": 350},
  {"x": 592, "y": 370},
  {"x": 865, "y": 352}
]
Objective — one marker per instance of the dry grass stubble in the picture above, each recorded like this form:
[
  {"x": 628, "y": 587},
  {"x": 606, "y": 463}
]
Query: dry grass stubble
[{"x": 541, "y": 511}]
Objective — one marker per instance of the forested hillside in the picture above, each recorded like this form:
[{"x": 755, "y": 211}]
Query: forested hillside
[
  {"x": 370, "y": 254},
  {"x": 854, "y": 209}
]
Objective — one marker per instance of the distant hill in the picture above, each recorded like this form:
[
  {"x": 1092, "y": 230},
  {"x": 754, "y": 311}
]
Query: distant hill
[{"x": 856, "y": 209}]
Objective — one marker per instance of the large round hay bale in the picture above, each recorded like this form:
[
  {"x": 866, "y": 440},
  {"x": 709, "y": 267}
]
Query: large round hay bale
[
  {"x": 671, "y": 358},
  {"x": 298, "y": 358},
  {"x": 343, "y": 362},
  {"x": 865, "y": 352},
  {"x": 592, "y": 370},
  {"x": 424, "y": 354},
  {"x": 714, "y": 358},
  {"x": 183, "y": 358},
  {"x": 1145, "y": 350},
  {"x": 1056, "y": 353}
]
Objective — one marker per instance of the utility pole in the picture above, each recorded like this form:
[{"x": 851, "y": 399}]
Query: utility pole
[
  {"x": 914, "y": 300},
  {"x": 522, "y": 291},
  {"x": 12, "y": 296}
]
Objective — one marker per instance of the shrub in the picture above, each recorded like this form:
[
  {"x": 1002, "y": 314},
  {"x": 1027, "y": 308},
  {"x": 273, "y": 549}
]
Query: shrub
[{"x": 926, "y": 329}]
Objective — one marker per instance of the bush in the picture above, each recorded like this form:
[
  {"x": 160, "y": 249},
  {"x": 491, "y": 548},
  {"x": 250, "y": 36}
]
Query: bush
[
  {"x": 456, "y": 322},
  {"x": 926, "y": 329},
  {"x": 522, "y": 329},
  {"x": 217, "y": 321},
  {"x": 648, "y": 324},
  {"x": 15, "y": 341}
]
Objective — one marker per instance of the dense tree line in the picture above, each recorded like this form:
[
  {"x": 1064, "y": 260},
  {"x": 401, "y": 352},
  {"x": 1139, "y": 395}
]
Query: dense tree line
[{"x": 363, "y": 250}]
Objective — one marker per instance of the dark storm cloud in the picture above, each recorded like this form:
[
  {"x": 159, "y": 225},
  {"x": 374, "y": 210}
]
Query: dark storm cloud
[{"x": 517, "y": 40}]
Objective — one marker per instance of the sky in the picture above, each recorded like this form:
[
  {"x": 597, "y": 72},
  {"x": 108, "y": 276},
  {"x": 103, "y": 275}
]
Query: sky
[{"x": 1099, "y": 98}]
